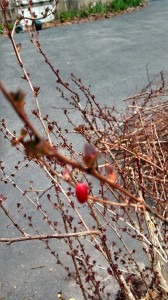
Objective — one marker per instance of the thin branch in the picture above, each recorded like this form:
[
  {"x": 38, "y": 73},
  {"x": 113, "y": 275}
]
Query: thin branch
[
  {"x": 48, "y": 236},
  {"x": 12, "y": 220}
]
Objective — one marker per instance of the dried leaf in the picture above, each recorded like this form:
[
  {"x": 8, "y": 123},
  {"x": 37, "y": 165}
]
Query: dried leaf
[{"x": 111, "y": 172}]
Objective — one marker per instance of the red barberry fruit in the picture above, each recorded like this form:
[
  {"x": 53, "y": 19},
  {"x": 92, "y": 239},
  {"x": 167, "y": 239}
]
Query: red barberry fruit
[{"x": 81, "y": 192}]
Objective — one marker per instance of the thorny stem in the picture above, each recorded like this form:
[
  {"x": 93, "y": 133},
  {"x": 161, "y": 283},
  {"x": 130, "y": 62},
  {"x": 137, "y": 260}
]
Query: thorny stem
[{"x": 44, "y": 236}]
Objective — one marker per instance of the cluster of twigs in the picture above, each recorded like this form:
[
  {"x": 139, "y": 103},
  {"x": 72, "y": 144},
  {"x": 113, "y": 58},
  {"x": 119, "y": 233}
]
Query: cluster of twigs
[
  {"x": 136, "y": 141},
  {"x": 127, "y": 197}
]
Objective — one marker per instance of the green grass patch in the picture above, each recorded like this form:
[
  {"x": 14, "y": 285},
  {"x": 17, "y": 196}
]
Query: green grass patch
[
  {"x": 4, "y": 26},
  {"x": 68, "y": 15},
  {"x": 98, "y": 8},
  {"x": 119, "y": 5}
]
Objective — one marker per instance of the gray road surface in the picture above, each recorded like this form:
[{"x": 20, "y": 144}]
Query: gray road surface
[{"x": 111, "y": 55}]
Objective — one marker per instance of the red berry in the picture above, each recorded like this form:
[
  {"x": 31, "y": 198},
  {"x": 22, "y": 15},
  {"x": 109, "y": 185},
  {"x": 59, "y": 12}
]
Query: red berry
[{"x": 82, "y": 192}]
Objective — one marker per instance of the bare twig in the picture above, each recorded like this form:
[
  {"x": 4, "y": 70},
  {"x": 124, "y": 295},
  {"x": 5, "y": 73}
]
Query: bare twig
[{"x": 48, "y": 236}]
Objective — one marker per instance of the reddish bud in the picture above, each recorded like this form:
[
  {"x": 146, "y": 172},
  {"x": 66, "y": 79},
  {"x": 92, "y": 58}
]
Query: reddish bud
[
  {"x": 81, "y": 192},
  {"x": 50, "y": 127},
  {"x": 109, "y": 271},
  {"x": 89, "y": 155},
  {"x": 104, "y": 238}
]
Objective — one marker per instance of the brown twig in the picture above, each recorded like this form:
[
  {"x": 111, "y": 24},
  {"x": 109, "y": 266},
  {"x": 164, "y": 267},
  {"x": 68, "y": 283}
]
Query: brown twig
[{"x": 48, "y": 236}]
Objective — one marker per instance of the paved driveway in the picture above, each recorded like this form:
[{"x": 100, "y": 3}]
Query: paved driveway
[{"x": 113, "y": 56}]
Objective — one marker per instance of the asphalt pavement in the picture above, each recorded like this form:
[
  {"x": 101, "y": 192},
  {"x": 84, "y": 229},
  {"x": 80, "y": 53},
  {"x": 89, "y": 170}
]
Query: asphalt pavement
[{"x": 116, "y": 57}]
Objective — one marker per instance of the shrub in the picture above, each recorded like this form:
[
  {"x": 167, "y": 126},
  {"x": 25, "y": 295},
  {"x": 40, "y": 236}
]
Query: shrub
[{"x": 123, "y": 166}]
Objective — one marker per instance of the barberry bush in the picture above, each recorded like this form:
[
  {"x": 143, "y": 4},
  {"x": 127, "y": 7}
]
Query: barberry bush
[{"x": 104, "y": 195}]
